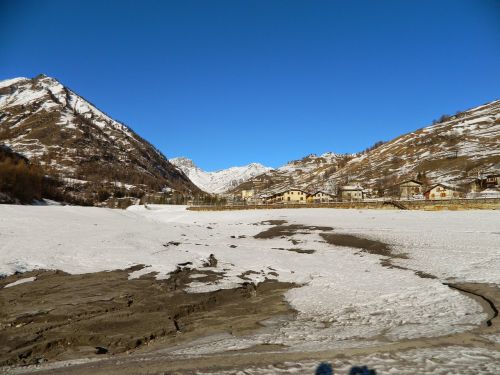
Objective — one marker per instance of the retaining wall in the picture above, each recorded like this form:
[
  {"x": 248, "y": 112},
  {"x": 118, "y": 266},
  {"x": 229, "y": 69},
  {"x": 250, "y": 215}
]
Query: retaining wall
[{"x": 429, "y": 205}]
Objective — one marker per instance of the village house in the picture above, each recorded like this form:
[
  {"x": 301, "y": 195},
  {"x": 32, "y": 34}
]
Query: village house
[
  {"x": 492, "y": 181},
  {"x": 410, "y": 189},
  {"x": 320, "y": 197},
  {"x": 485, "y": 187},
  {"x": 351, "y": 193},
  {"x": 292, "y": 195},
  {"x": 264, "y": 199},
  {"x": 442, "y": 191},
  {"x": 247, "y": 194}
]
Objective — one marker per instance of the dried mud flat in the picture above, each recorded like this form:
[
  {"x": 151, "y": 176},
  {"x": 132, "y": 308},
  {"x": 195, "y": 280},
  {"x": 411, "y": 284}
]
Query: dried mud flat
[{"x": 61, "y": 317}]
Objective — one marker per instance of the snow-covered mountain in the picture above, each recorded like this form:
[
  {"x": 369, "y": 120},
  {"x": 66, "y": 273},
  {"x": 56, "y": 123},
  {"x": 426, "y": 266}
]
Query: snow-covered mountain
[
  {"x": 219, "y": 181},
  {"x": 453, "y": 150},
  {"x": 312, "y": 172},
  {"x": 40, "y": 118}
]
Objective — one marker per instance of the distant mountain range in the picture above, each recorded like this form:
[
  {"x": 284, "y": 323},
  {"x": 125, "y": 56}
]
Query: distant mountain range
[
  {"x": 44, "y": 120},
  {"x": 219, "y": 181}
]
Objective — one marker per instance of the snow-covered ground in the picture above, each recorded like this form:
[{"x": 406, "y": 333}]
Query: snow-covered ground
[
  {"x": 436, "y": 361},
  {"x": 346, "y": 298}
]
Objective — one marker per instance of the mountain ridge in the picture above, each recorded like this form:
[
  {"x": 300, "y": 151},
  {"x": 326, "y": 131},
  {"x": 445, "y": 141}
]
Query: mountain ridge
[
  {"x": 46, "y": 121},
  {"x": 453, "y": 150},
  {"x": 219, "y": 181}
]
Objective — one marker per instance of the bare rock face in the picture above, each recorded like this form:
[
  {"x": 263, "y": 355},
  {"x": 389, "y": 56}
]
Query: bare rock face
[
  {"x": 211, "y": 261},
  {"x": 47, "y": 122}
]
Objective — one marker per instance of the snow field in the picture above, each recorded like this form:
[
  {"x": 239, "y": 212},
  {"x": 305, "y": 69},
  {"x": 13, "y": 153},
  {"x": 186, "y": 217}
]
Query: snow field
[{"x": 345, "y": 299}]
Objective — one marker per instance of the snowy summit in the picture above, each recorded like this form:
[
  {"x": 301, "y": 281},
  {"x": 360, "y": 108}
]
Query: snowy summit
[{"x": 219, "y": 181}]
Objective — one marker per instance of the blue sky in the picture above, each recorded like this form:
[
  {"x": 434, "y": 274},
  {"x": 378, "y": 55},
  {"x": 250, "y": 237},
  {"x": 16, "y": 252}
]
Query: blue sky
[{"x": 232, "y": 82}]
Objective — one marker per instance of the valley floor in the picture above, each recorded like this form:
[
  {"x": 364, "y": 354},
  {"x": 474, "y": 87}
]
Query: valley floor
[{"x": 264, "y": 291}]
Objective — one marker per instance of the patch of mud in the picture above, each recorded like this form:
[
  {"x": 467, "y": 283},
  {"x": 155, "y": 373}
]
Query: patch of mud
[
  {"x": 365, "y": 244},
  {"x": 211, "y": 261},
  {"x": 425, "y": 275},
  {"x": 487, "y": 296},
  {"x": 172, "y": 243},
  {"x": 272, "y": 358},
  {"x": 388, "y": 263},
  {"x": 61, "y": 316},
  {"x": 296, "y": 250},
  {"x": 244, "y": 275},
  {"x": 290, "y": 230},
  {"x": 272, "y": 222}
]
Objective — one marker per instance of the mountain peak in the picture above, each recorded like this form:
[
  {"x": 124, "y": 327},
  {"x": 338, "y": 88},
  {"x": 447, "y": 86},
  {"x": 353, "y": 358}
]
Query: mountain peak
[
  {"x": 40, "y": 76},
  {"x": 220, "y": 181},
  {"x": 42, "y": 118}
]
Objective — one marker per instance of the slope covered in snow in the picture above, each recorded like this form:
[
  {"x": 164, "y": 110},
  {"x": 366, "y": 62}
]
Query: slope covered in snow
[
  {"x": 454, "y": 150},
  {"x": 40, "y": 118},
  {"x": 220, "y": 181},
  {"x": 312, "y": 172}
]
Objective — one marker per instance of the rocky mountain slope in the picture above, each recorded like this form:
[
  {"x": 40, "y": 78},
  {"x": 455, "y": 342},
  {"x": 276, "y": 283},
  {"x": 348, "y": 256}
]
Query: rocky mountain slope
[
  {"x": 47, "y": 122},
  {"x": 453, "y": 150},
  {"x": 219, "y": 181},
  {"x": 312, "y": 172}
]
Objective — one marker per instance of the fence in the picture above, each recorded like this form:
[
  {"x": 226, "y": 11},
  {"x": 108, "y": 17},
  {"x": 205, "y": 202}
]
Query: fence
[{"x": 450, "y": 204}]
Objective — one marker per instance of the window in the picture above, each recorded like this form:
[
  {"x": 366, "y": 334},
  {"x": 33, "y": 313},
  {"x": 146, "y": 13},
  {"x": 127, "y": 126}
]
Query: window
[{"x": 443, "y": 194}]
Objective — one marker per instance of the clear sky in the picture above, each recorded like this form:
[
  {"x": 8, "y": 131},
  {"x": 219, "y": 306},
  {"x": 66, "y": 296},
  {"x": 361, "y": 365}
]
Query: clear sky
[{"x": 232, "y": 82}]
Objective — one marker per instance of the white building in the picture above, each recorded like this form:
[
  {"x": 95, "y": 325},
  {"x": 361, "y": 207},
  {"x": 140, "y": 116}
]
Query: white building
[
  {"x": 351, "y": 193},
  {"x": 442, "y": 191}
]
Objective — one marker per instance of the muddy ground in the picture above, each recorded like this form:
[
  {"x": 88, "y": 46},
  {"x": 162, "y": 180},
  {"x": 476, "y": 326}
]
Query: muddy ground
[
  {"x": 158, "y": 363},
  {"x": 61, "y": 316}
]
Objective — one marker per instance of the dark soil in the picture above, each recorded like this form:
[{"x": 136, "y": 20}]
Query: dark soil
[
  {"x": 365, "y": 244},
  {"x": 289, "y": 230},
  {"x": 61, "y": 316},
  {"x": 296, "y": 250},
  {"x": 387, "y": 262}
]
